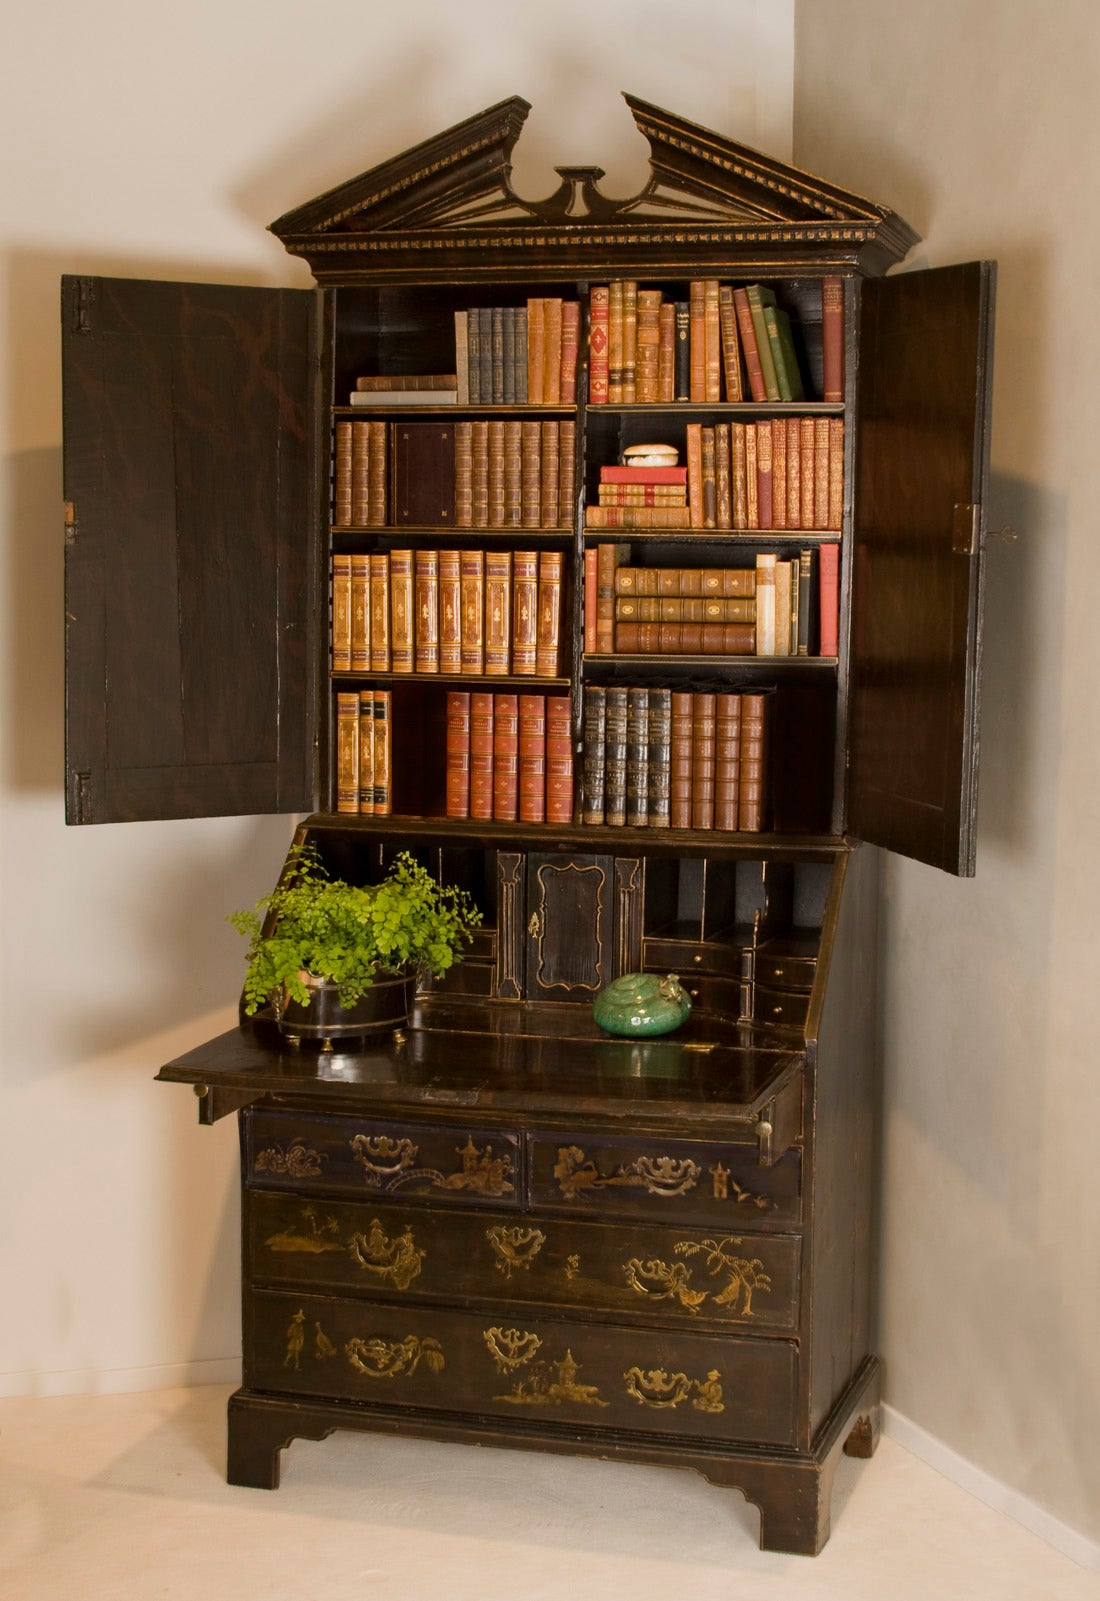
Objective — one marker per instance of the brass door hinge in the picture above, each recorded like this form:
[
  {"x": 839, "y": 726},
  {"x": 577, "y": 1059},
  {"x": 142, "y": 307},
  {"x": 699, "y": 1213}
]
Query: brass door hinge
[{"x": 965, "y": 530}]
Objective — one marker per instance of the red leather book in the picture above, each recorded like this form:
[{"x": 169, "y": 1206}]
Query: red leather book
[
  {"x": 697, "y": 318},
  {"x": 727, "y": 761},
  {"x": 598, "y": 317},
  {"x": 752, "y": 804},
  {"x": 458, "y": 753},
  {"x": 341, "y": 480},
  {"x": 532, "y": 758},
  {"x": 505, "y": 758},
  {"x": 422, "y": 474},
  {"x": 570, "y": 341},
  {"x": 591, "y": 557},
  {"x": 644, "y": 475},
  {"x": 779, "y": 472},
  {"x": 765, "y": 509},
  {"x": 753, "y": 369},
  {"x": 559, "y": 759},
  {"x": 821, "y": 472},
  {"x": 829, "y": 598},
  {"x": 794, "y": 473},
  {"x": 702, "y": 761},
  {"x": 481, "y": 755},
  {"x": 806, "y": 465},
  {"x": 832, "y": 335},
  {"x": 752, "y": 481},
  {"x": 680, "y": 753}
]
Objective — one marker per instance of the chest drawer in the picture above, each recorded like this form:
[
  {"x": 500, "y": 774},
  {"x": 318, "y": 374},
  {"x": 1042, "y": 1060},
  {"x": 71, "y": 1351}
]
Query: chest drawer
[
  {"x": 357, "y": 1155},
  {"x": 780, "y": 1006},
  {"x": 713, "y": 1185},
  {"x": 642, "y": 1272},
  {"x": 578, "y": 1375}
]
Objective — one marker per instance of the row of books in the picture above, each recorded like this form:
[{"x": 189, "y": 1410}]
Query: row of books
[
  {"x": 722, "y": 343},
  {"x": 785, "y": 474},
  {"x": 448, "y": 611},
  {"x": 777, "y": 607},
  {"x": 518, "y": 355},
  {"x": 363, "y": 752},
  {"x": 660, "y": 758},
  {"x": 514, "y": 474},
  {"x": 509, "y": 757}
]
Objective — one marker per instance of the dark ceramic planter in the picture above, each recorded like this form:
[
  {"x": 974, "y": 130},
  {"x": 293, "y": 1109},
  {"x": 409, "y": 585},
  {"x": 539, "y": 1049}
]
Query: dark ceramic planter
[{"x": 386, "y": 1005}]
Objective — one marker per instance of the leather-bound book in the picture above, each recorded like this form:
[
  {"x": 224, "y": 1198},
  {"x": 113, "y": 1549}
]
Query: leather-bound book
[
  {"x": 832, "y": 338},
  {"x": 341, "y": 613},
  {"x": 450, "y": 611},
  {"x": 702, "y": 761},
  {"x": 694, "y": 453},
  {"x": 536, "y": 349},
  {"x": 473, "y": 357},
  {"x": 598, "y": 332},
  {"x": 548, "y": 626},
  {"x": 530, "y": 474},
  {"x": 806, "y": 464},
  {"x": 547, "y": 446},
  {"x": 615, "y": 343},
  {"x": 630, "y": 341},
  {"x": 464, "y": 475},
  {"x": 710, "y": 483},
  {"x": 594, "y": 730},
  {"x": 765, "y": 510},
  {"x": 347, "y": 751},
  {"x": 361, "y": 474},
  {"x": 481, "y": 755},
  {"x": 655, "y": 477},
  {"x": 639, "y": 517},
  {"x": 462, "y": 358},
  {"x": 472, "y": 590},
  {"x": 738, "y": 490},
  {"x": 753, "y": 370},
  {"x": 525, "y": 610},
  {"x": 765, "y": 604},
  {"x": 366, "y": 752},
  {"x": 402, "y": 650},
  {"x": 666, "y": 353},
  {"x": 551, "y": 359},
  {"x": 723, "y": 500},
  {"x": 752, "y": 480},
  {"x": 794, "y": 473},
  {"x": 380, "y": 654},
  {"x": 570, "y": 344},
  {"x": 496, "y": 393},
  {"x": 505, "y": 758},
  {"x": 615, "y": 757},
  {"x": 779, "y": 472},
  {"x": 513, "y": 473},
  {"x": 567, "y": 471},
  {"x": 731, "y": 345},
  {"x": 426, "y": 622},
  {"x": 648, "y": 350},
  {"x": 458, "y": 753},
  {"x": 829, "y": 590},
  {"x": 360, "y": 614},
  {"x": 637, "y": 757},
  {"x": 519, "y": 354},
  {"x": 821, "y": 472},
  {"x": 498, "y": 612},
  {"x": 752, "y": 804},
  {"x": 682, "y": 354},
  {"x": 591, "y": 559},
  {"x": 608, "y": 558},
  {"x": 422, "y": 474},
  {"x": 383, "y": 747},
  {"x": 727, "y": 761},
  {"x": 680, "y": 751},
  {"x": 479, "y": 476},
  {"x": 495, "y": 517},
  {"x": 835, "y": 517},
  {"x": 759, "y": 296},
  {"x": 341, "y": 479},
  {"x": 712, "y": 342},
  {"x": 783, "y": 608},
  {"x": 532, "y": 758},
  {"x": 559, "y": 759},
  {"x": 788, "y": 374},
  {"x": 807, "y": 604},
  {"x": 659, "y": 760},
  {"x": 509, "y": 392},
  {"x": 697, "y": 315}
]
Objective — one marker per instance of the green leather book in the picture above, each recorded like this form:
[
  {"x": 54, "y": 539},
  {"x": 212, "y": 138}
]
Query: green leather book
[
  {"x": 788, "y": 375},
  {"x": 758, "y": 297}
]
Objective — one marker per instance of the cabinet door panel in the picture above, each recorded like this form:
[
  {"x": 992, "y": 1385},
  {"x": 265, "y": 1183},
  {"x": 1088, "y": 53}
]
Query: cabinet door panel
[
  {"x": 189, "y": 579},
  {"x": 924, "y": 388}
]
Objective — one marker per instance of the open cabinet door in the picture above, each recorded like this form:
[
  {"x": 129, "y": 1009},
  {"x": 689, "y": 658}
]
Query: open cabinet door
[
  {"x": 917, "y": 575},
  {"x": 190, "y": 516}
]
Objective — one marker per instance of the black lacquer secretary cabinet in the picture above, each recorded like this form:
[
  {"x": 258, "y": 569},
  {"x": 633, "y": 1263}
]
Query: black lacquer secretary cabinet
[{"x": 499, "y": 1225}]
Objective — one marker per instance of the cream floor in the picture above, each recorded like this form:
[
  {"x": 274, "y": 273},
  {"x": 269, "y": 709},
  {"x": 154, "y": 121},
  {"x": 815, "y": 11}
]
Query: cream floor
[{"x": 124, "y": 1497}]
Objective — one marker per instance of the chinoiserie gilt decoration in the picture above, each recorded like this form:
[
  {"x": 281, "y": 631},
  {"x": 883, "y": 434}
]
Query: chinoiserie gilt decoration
[
  {"x": 514, "y": 1247},
  {"x": 294, "y": 1160},
  {"x": 448, "y": 204},
  {"x": 394, "y": 1359},
  {"x": 659, "y": 1175},
  {"x": 660, "y": 1281},
  {"x": 389, "y": 1164}
]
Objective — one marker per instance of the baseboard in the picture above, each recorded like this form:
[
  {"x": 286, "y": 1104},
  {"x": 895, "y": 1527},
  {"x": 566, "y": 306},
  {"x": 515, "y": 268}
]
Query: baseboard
[
  {"x": 122, "y": 1381},
  {"x": 992, "y": 1492}
]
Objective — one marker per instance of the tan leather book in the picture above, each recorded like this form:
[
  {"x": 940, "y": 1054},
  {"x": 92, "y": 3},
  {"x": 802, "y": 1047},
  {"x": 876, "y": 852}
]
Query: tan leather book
[
  {"x": 366, "y": 752},
  {"x": 649, "y": 342},
  {"x": 712, "y": 342},
  {"x": 806, "y": 470},
  {"x": 567, "y": 470},
  {"x": 377, "y": 477},
  {"x": 779, "y": 472},
  {"x": 836, "y": 474},
  {"x": 402, "y": 647},
  {"x": 525, "y": 593},
  {"x": 821, "y": 472},
  {"x": 739, "y": 492},
  {"x": 546, "y": 447},
  {"x": 450, "y": 611},
  {"x": 694, "y": 453},
  {"x": 479, "y": 488},
  {"x": 570, "y": 344},
  {"x": 341, "y": 476},
  {"x": 341, "y": 614},
  {"x": 551, "y": 358},
  {"x": 498, "y": 612},
  {"x": 794, "y": 473},
  {"x": 360, "y": 614},
  {"x": 513, "y": 473},
  {"x": 347, "y": 751},
  {"x": 548, "y": 628},
  {"x": 727, "y": 761},
  {"x": 615, "y": 344},
  {"x": 464, "y": 475},
  {"x": 731, "y": 344},
  {"x": 536, "y": 349},
  {"x": 752, "y": 811},
  {"x": 472, "y": 587},
  {"x": 599, "y": 517},
  {"x": 380, "y": 655},
  {"x": 530, "y": 474},
  {"x": 426, "y": 597},
  {"x": 666, "y": 353},
  {"x": 495, "y": 497}
]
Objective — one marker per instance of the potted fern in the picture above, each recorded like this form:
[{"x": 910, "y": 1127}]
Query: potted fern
[{"x": 334, "y": 959}]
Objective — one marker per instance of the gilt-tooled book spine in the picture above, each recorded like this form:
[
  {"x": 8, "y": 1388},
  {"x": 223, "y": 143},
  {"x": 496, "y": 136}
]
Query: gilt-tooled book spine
[
  {"x": 738, "y": 491},
  {"x": 637, "y": 757},
  {"x": 508, "y": 380},
  {"x": 450, "y": 611},
  {"x": 497, "y": 363},
  {"x": 363, "y": 474},
  {"x": 829, "y": 589},
  {"x": 765, "y": 604},
  {"x": 779, "y": 472},
  {"x": 836, "y": 473},
  {"x": 759, "y": 296},
  {"x": 630, "y": 341},
  {"x": 765, "y": 510},
  {"x": 401, "y": 611},
  {"x": 366, "y": 752},
  {"x": 832, "y": 335},
  {"x": 505, "y": 758},
  {"x": 821, "y": 472},
  {"x": 682, "y": 352},
  {"x": 481, "y": 755},
  {"x": 752, "y": 805},
  {"x": 551, "y": 380},
  {"x": 380, "y": 654},
  {"x": 806, "y": 466},
  {"x": 710, "y": 486},
  {"x": 712, "y": 343},
  {"x": 498, "y": 612},
  {"x": 567, "y": 469},
  {"x": 513, "y": 473},
  {"x": 666, "y": 353},
  {"x": 532, "y": 758},
  {"x": 559, "y": 759},
  {"x": 519, "y": 353},
  {"x": 698, "y": 343},
  {"x": 608, "y": 558},
  {"x": 462, "y": 358},
  {"x": 347, "y": 752},
  {"x": 794, "y": 473},
  {"x": 638, "y": 517},
  {"x": 570, "y": 344},
  {"x": 727, "y": 761},
  {"x": 485, "y": 353},
  {"x": 693, "y": 449},
  {"x": 788, "y": 375},
  {"x": 495, "y": 517},
  {"x": 360, "y": 614},
  {"x": 341, "y": 613},
  {"x": 536, "y": 349},
  {"x": 546, "y": 449},
  {"x": 591, "y": 560},
  {"x": 659, "y": 759},
  {"x": 615, "y": 343},
  {"x": 464, "y": 475},
  {"x": 480, "y": 474},
  {"x": 615, "y": 758},
  {"x": 783, "y": 570},
  {"x": 377, "y": 476},
  {"x": 548, "y": 628},
  {"x": 458, "y": 753},
  {"x": 473, "y": 356},
  {"x": 426, "y": 594},
  {"x": 680, "y": 747},
  {"x": 530, "y": 474},
  {"x": 525, "y": 591},
  {"x": 647, "y": 359},
  {"x": 422, "y": 474},
  {"x": 383, "y": 706},
  {"x": 594, "y": 732},
  {"x": 745, "y": 327},
  {"x": 731, "y": 345},
  {"x": 752, "y": 480},
  {"x": 472, "y": 586},
  {"x": 807, "y": 638},
  {"x": 702, "y": 761},
  {"x": 341, "y": 480},
  {"x": 598, "y": 331},
  {"x": 685, "y": 639},
  {"x": 722, "y": 495},
  {"x": 684, "y": 609}
]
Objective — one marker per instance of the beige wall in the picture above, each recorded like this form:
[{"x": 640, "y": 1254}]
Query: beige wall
[
  {"x": 979, "y": 122},
  {"x": 144, "y": 141}
]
